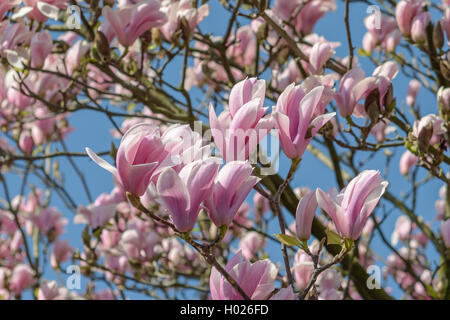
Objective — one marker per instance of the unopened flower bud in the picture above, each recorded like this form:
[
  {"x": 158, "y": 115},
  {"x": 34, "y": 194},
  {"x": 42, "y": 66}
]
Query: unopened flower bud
[
  {"x": 262, "y": 5},
  {"x": 102, "y": 45},
  {"x": 445, "y": 69},
  {"x": 372, "y": 105},
  {"x": 438, "y": 36},
  {"x": 389, "y": 98},
  {"x": 425, "y": 136},
  {"x": 185, "y": 28}
]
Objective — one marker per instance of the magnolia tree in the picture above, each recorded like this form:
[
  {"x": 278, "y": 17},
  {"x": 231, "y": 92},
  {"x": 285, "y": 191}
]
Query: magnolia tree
[{"x": 208, "y": 133}]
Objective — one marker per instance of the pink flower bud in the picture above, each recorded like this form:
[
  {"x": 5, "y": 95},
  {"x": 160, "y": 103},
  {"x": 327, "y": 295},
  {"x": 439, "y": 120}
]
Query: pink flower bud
[
  {"x": 244, "y": 91},
  {"x": 369, "y": 42},
  {"x": 48, "y": 291},
  {"x": 22, "y": 278},
  {"x": 251, "y": 243},
  {"x": 405, "y": 12},
  {"x": 445, "y": 232},
  {"x": 407, "y": 161},
  {"x": 302, "y": 270},
  {"x": 413, "y": 90},
  {"x": 419, "y": 26},
  {"x": 26, "y": 142},
  {"x": 402, "y": 231},
  {"x": 321, "y": 52},
  {"x": 41, "y": 47},
  {"x": 61, "y": 252},
  {"x": 392, "y": 40},
  {"x": 261, "y": 205},
  {"x": 352, "y": 87},
  {"x": 428, "y": 129},
  {"x": 443, "y": 97},
  {"x": 304, "y": 216}
]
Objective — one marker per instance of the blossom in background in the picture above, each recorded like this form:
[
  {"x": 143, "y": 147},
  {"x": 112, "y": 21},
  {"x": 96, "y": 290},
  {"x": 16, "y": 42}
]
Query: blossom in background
[{"x": 128, "y": 23}]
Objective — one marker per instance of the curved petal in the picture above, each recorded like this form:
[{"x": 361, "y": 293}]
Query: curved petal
[{"x": 101, "y": 162}]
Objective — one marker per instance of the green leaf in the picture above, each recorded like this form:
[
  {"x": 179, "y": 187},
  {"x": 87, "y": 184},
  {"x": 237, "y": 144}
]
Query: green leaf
[
  {"x": 97, "y": 232},
  {"x": 333, "y": 237},
  {"x": 363, "y": 53},
  {"x": 288, "y": 240}
]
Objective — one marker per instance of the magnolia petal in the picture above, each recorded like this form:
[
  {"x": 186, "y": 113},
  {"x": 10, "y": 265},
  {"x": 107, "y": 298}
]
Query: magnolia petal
[
  {"x": 48, "y": 10},
  {"x": 101, "y": 162}
]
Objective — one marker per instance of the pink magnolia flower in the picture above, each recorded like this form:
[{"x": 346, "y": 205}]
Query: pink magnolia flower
[
  {"x": 445, "y": 232},
  {"x": 74, "y": 55},
  {"x": 284, "y": 294},
  {"x": 117, "y": 264},
  {"x": 385, "y": 34},
  {"x": 183, "y": 193},
  {"x": 432, "y": 123},
  {"x": 50, "y": 6},
  {"x": 49, "y": 221},
  {"x": 41, "y": 47},
  {"x": 329, "y": 279},
  {"x": 238, "y": 130},
  {"x": 49, "y": 291},
  {"x": 242, "y": 46},
  {"x": 44, "y": 127},
  {"x": 405, "y": 12},
  {"x": 439, "y": 205},
  {"x": 139, "y": 240},
  {"x": 302, "y": 270},
  {"x": 96, "y": 214},
  {"x": 407, "y": 161},
  {"x": 351, "y": 208},
  {"x": 298, "y": 117},
  {"x": 245, "y": 91},
  {"x": 232, "y": 185},
  {"x": 251, "y": 243},
  {"x": 128, "y": 23},
  {"x": 381, "y": 80},
  {"x": 256, "y": 279},
  {"x": 321, "y": 52},
  {"x": 445, "y": 23},
  {"x": 26, "y": 142},
  {"x": 182, "y": 9},
  {"x": 61, "y": 252},
  {"x": 22, "y": 278},
  {"x": 352, "y": 87},
  {"x": 381, "y": 129},
  {"x": 402, "y": 231},
  {"x": 141, "y": 154},
  {"x": 443, "y": 97},
  {"x": 261, "y": 205},
  {"x": 413, "y": 90},
  {"x": 304, "y": 216},
  {"x": 7, "y": 5},
  {"x": 281, "y": 78},
  {"x": 307, "y": 17},
  {"x": 419, "y": 25}
]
